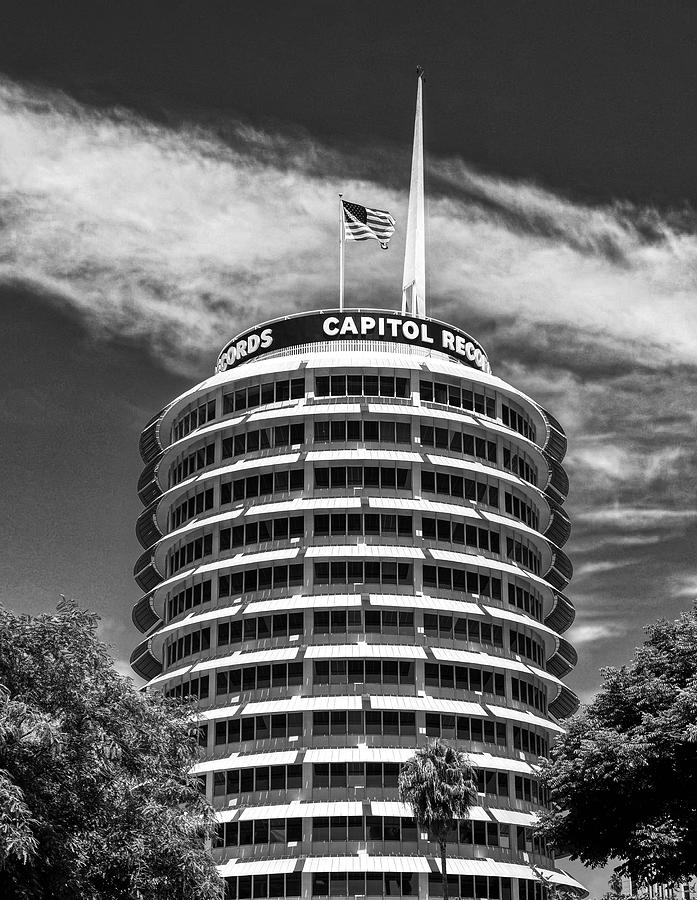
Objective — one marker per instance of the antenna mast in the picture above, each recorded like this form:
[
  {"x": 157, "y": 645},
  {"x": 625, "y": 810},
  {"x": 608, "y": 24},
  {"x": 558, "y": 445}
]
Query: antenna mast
[{"x": 414, "y": 280}]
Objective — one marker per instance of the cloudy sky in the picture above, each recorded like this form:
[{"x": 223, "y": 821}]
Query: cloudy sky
[{"x": 169, "y": 174}]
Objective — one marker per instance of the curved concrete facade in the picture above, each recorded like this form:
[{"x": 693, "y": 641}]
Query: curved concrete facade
[{"x": 351, "y": 546}]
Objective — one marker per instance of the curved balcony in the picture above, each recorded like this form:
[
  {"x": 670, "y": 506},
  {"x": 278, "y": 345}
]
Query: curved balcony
[
  {"x": 558, "y": 484},
  {"x": 144, "y": 663},
  {"x": 565, "y": 704},
  {"x": 556, "y": 443},
  {"x": 559, "y": 529},
  {"x": 147, "y": 530},
  {"x": 561, "y": 616},
  {"x": 144, "y": 615},
  {"x": 149, "y": 445},
  {"x": 563, "y": 660},
  {"x": 145, "y": 572},
  {"x": 148, "y": 485},
  {"x": 561, "y": 570}
]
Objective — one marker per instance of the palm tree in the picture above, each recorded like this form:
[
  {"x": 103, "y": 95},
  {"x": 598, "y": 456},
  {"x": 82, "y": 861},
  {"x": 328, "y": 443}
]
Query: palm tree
[{"x": 438, "y": 783}]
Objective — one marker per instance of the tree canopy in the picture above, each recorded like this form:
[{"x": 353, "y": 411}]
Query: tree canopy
[
  {"x": 96, "y": 799},
  {"x": 623, "y": 779},
  {"x": 438, "y": 784}
]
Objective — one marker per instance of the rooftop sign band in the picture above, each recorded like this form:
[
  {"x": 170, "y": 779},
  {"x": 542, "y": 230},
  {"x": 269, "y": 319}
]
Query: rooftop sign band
[{"x": 356, "y": 325}]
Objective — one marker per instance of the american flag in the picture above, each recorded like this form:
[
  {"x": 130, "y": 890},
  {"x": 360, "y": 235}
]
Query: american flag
[{"x": 362, "y": 224}]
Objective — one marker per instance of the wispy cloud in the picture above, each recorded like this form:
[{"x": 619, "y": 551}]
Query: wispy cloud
[
  {"x": 182, "y": 236},
  {"x": 596, "y": 631},
  {"x": 637, "y": 519}
]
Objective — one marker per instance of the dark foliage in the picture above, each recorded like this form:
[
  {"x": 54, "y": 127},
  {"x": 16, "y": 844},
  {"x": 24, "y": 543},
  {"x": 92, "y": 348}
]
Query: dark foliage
[
  {"x": 623, "y": 780},
  {"x": 95, "y": 796}
]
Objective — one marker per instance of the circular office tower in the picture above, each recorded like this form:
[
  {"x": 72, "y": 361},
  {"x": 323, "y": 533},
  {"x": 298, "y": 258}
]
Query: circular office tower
[{"x": 353, "y": 539}]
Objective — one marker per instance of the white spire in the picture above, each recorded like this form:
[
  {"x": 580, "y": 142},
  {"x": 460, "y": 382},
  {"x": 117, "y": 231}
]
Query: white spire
[{"x": 414, "y": 281}]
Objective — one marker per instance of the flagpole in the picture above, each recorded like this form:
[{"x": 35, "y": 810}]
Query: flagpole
[{"x": 341, "y": 252}]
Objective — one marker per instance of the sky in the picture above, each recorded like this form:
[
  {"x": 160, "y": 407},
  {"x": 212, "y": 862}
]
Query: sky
[{"x": 169, "y": 175}]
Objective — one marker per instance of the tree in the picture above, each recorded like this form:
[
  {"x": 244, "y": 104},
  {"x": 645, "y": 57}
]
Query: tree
[
  {"x": 615, "y": 891},
  {"x": 96, "y": 799},
  {"x": 622, "y": 781},
  {"x": 438, "y": 783}
]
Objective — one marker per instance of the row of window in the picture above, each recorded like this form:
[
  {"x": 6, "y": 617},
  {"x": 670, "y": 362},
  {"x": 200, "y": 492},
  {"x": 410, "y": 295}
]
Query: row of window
[
  {"x": 259, "y": 831},
  {"x": 250, "y": 678},
  {"x": 262, "y": 394},
  {"x": 522, "y": 553},
  {"x": 260, "y": 579},
  {"x": 194, "y": 642},
  {"x": 197, "y": 686},
  {"x": 190, "y": 552},
  {"x": 242, "y": 887},
  {"x": 518, "y": 463},
  {"x": 198, "y": 503},
  {"x": 446, "y": 578},
  {"x": 524, "y": 645},
  {"x": 260, "y": 778},
  {"x": 452, "y": 532},
  {"x": 379, "y": 884},
  {"x": 524, "y": 691},
  {"x": 454, "y": 395},
  {"x": 279, "y": 625},
  {"x": 363, "y": 671},
  {"x": 518, "y": 421},
  {"x": 252, "y": 441},
  {"x": 362, "y": 431},
  {"x": 192, "y": 463},
  {"x": 360, "y": 572},
  {"x": 332, "y": 829},
  {"x": 338, "y": 776},
  {"x": 357, "y": 385},
  {"x": 262, "y": 530},
  {"x": 454, "y": 628},
  {"x": 339, "y": 723},
  {"x": 279, "y": 482},
  {"x": 192, "y": 418},
  {"x": 464, "y": 678},
  {"x": 340, "y": 524},
  {"x": 370, "y": 621},
  {"x": 465, "y": 728},
  {"x": 460, "y": 486},
  {"x": 527, "y": 646},
  {"x": 188, "y": 598},
  {"x": 458, "y": 441},
  {"x": 528, "y": 601},
  {"x": 393, "y": 477},
  {"x": 403, "y": 724},
  {"x": 258, "y": 728},
  {"x": 404, "y": 830},
  {"x": 521, "y": 510}
]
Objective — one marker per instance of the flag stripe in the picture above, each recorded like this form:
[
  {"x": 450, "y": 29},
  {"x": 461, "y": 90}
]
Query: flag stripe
[{"x": 363, "y": 224}]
